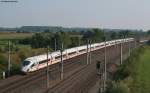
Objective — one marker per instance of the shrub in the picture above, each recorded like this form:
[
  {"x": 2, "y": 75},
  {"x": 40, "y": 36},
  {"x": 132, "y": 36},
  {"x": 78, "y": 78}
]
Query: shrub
[
  {"x": 117, "y": 87},
  {"x": 3, "y": 61}
]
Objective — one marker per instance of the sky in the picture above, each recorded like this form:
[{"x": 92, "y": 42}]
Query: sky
[{"x": 116, "y": 14}]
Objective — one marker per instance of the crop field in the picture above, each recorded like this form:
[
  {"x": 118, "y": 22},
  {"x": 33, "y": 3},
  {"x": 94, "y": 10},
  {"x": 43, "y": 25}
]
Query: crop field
[
  {"x": 13, "y": 35},
  {"x": 5, "y": 36}
]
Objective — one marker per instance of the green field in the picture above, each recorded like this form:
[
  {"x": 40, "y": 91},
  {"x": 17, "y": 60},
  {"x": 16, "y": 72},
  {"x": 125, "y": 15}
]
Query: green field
[
  {"x": 134, "y": 75},
  {"x": 13, "y": 35}
]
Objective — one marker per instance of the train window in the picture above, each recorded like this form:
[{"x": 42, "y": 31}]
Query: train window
[
  {"x": 97, "y": 46},
  {"x": 25, "y": 63},
  {"x": 41, "y": 62},
  {"x": 32, "y": 65},
  {"x": 92, "y": 47},
  {"x": 82, "y": 50},
  {"x": 44, "y": 61},
  {"x": 64, "y": 55},
  {"x": 57, "y": 57},
  {"x": 71, "y": 53}
]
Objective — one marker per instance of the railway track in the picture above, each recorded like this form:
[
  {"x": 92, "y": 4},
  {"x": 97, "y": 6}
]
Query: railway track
[
  {"x": 77, "y": 83},
  {"x": 34, "y": 76},
  {"x": 38, "y": 79}
]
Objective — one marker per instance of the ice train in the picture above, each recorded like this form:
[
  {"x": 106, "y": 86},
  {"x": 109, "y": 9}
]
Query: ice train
[{"x": 38, "y": 62}]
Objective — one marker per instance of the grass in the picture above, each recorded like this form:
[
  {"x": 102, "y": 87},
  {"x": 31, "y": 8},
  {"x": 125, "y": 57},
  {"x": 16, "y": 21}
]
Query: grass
[
  {"x": 141, "y": 69},
  {"x": 134, "y": 75}
]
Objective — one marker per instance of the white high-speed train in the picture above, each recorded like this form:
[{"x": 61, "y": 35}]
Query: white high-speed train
[{"x": 37, "y": 62}]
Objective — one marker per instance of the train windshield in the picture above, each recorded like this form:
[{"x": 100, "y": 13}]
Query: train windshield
[{"x": 25, "y": 63}]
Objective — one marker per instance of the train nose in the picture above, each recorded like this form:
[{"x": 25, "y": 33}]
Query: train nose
[{"x": 24, "y": 69}]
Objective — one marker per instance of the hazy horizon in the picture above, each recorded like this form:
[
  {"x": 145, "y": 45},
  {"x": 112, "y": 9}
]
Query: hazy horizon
[{"x": 115, "y": 14}]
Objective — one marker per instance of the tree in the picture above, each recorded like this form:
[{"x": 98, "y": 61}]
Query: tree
[
  {"x": 75, "y": 41},
  {"x": 37, "y": 41},
  {"x": 62, "y": 37},
  {"x": 96, "y": 35},
  {"x": 88, "y": 35},
  {"x": 148, "y": 32},
  {"x": 113, "y": 35},
  {"x": 3, "y": 60},
  {"x": 124, "y": 34},
  {"x": 41, "y": 40}
]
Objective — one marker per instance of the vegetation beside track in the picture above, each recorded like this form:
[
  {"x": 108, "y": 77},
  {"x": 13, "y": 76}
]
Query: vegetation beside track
[
  {"x": 18, "y": 51},
  {"x": 133, "y": 76}
]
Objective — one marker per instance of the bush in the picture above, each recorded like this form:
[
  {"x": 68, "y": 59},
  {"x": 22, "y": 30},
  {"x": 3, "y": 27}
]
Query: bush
[
  {"x": 24, "y": 52},
  {"x": 15, "y": 69},
  {"x": 117, "y": 87},
  {"x": 3, "y": 61},
  {"x": 125, "y": 75},
  {"x": 121, "y": 73}
]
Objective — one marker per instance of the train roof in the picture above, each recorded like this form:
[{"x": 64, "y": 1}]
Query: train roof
[
  {"x": 57, "y": 53},
  {"x": 37, "y": 58}
]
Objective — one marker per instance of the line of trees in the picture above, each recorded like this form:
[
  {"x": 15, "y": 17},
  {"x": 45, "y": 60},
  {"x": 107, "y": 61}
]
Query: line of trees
[{"x": 72, "y": 39}]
